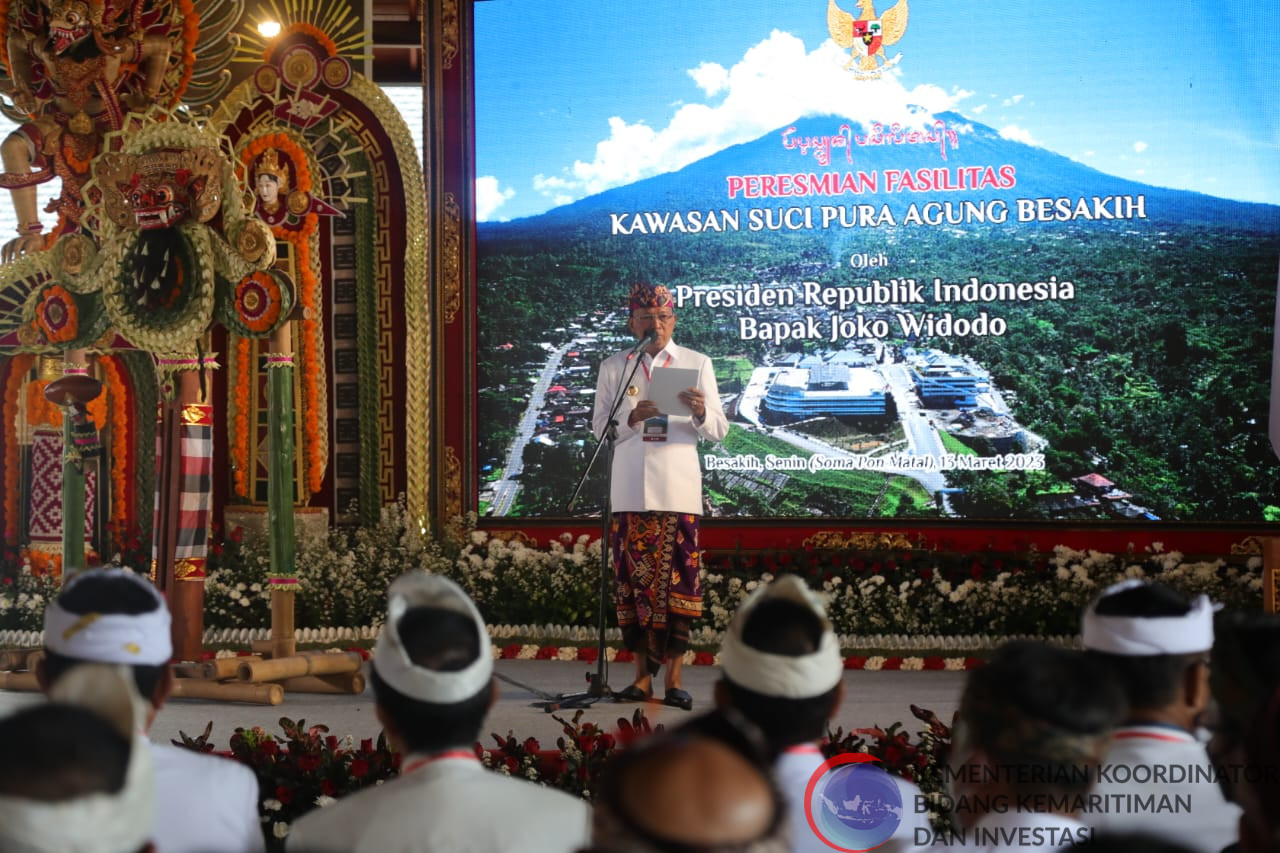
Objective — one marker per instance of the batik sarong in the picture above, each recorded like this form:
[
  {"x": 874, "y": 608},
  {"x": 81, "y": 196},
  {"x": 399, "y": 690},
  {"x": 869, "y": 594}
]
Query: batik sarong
[{"x": 658, "y": 587}]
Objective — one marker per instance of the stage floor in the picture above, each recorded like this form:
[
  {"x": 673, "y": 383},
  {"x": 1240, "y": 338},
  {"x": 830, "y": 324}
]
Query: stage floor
[{"x": 871, "y": 698}]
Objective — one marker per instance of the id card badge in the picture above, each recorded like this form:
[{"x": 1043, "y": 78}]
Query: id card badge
[{"x": 655, "y": 428}]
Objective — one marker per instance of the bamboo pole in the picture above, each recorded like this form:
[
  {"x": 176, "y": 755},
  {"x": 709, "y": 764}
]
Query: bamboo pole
[
  {"x": 224, "y": 668},
  {"x": 15, "y": 658},
  {"x": 292, "y": 667},
  {"x": 230, "y": 691},
  {"x": 19, "y": 681},
  {"x": 351, "y": 683}
]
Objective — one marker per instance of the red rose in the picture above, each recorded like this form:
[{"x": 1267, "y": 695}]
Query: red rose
[
  {"x": 547, "y": 653},
  {"x": 892, "y": 663},
  {"x": 855, "y": 662},
  {"x": 268, "y": 747},
  {"x": 308, "y": 763},
  {"x": 284, "y": 794},
  {"x": 934, "y": 662},
  {"x": 359, "y": 768},
  {"x": 625, "y": 656},
  {"x": 513, "y": 766},
  {"x": 366, "y": 745},
  {"x": 328, "y": 788},
  {"x": 531, "y": 744},
  {"x": 590, "y": 654},
  {"x": 510, "y": 651},
  {"x": 331, "y": 742},
  {"x": 704, "y": 658},
  {"x": 892, "y": 756}
]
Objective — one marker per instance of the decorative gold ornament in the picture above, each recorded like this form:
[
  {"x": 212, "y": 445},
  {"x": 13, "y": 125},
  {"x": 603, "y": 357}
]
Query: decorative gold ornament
[
  {"x": 299, "y": 202},
  {"x": 836, "y": 540},
  {"x": 270, "y": 165},
  {"x": 632, "y": 390},
  {"x": 300, "y": 68},
  {"x": 73, "y": 256},
  {"x": 254, "y": 241}
]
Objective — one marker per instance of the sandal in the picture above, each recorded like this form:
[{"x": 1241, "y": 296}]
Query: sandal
[
  {"x": 631, "y": 693},
  {"x": 678, "y": 698}
]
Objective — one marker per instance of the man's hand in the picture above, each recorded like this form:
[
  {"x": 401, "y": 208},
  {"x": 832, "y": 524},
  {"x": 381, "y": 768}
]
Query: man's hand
[
  {"x": 644, "y": 410},
  {"x": 696, "y": 401},
  {"x": 26, "y": 244}
]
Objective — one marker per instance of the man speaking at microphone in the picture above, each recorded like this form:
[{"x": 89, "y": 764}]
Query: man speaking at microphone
[{"x": 656, "y": 492}]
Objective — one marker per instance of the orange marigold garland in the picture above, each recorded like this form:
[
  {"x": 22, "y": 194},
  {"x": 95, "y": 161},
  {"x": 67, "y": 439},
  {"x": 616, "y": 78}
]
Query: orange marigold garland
[
  {"x": 240, "y": 382},
  {"x": 18, "y": 368},
  {"x": 121, "y": 442},
  {"x": 57, "y": 316},
  {"x": 320, "y": 36},
  {"x": 258, "y": 301}
]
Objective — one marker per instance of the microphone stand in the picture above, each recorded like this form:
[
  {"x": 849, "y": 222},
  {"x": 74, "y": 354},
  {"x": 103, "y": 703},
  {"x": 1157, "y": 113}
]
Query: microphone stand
[{"x": 597, "y": 682}]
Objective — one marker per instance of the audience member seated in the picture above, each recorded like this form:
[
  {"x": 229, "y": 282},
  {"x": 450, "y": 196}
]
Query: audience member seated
[
  {"x": 433, "y": 686},
  {"x": 783, "y": 671},
  {"x": 1033, "y": 726},
  {"x": 114, "y": 616},
  {"x": 1245, "y": 679},
  {"x": 76, "y": 780},
  {"x": 1157, "y": 645},
  {"x": 704, "y": 787}
]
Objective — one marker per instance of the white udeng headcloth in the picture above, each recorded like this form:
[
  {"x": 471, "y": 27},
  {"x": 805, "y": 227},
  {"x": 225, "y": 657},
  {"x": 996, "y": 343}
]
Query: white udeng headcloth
[
  {"x": 95, "y": 823},
  {"x": 133, "y": 638},
  {"x": 392, "y": 662},
  {"x": 782, "y": 676},
  {"x": 1145, "y": 636}
]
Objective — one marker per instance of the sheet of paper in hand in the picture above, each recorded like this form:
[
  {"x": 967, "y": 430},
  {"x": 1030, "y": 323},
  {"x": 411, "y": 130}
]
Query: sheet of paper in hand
[{"x": 665, "y": 385}]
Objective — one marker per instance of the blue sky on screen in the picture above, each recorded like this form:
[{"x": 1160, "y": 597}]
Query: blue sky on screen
[{"x": 576, "y": 97}]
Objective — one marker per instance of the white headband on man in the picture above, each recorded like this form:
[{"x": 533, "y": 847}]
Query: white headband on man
[
  {"x": 392, "y": 662},
  {"x": 128, "y": 638},
  {"x": 1145, "y": 636},
  {"x": 782, "y": 676}
]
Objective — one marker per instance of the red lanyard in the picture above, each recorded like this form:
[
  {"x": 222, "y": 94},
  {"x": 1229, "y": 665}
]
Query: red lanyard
[
  {"x": 1148, "y": 736},
  {"x": 666, "y": 363},
  {"x": 439, "y": 756}
]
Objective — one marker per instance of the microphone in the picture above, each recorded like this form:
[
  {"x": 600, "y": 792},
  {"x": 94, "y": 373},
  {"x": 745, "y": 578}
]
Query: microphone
[{"x": 650, "y": 336}]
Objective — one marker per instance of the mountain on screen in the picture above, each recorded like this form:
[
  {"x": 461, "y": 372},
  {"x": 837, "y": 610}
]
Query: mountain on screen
[{"x": 1039, "y": 173}]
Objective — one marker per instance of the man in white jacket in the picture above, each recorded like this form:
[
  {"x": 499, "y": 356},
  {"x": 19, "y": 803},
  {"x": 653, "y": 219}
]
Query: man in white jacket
[
  {"x": 433, "y": 685},
  {"x": 783, "y": 671},
  {"x": 656, "y": 490},
  {"x": 1158, "y": 645},
  {"x": 113, "y": 616}
]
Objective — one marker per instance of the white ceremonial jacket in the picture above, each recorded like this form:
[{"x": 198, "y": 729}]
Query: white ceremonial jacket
[
  {"x": 449, "y": 804},
  {"x": 793, "y": 770},
  {"x": 657, "y": 476},
  {"x": 204, "y": 803},
  {"x": 1208, "y": 822}
]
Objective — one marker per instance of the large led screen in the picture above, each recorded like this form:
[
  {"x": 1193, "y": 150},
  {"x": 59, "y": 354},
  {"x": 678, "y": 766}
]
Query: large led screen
[{"x": 999, "y": 260}]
